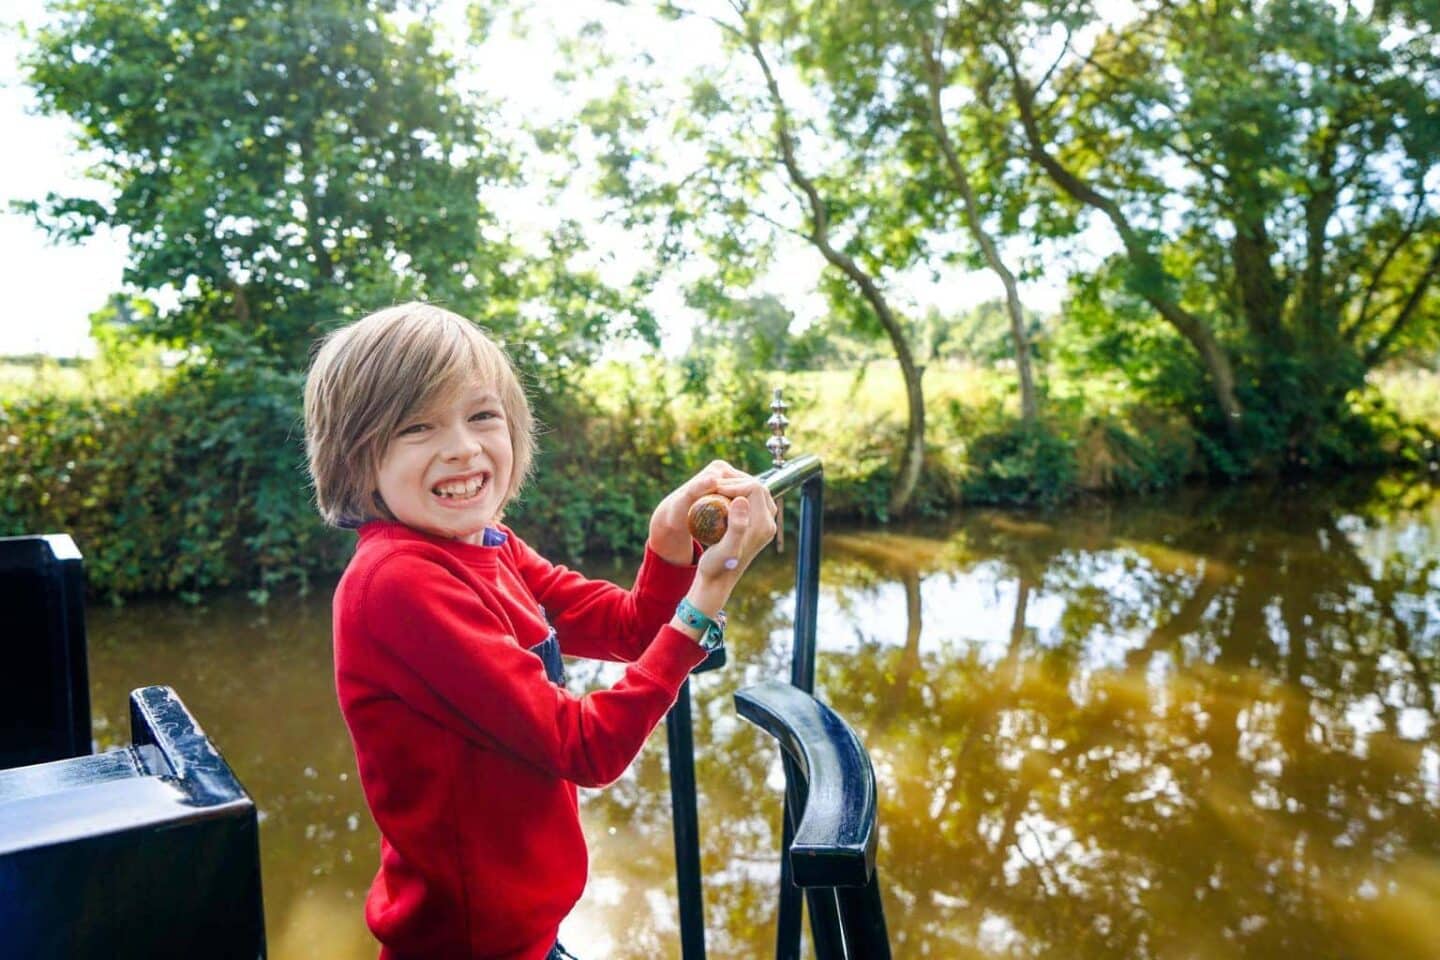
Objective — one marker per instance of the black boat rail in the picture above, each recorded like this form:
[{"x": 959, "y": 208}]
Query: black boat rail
[
  {"x": 147, "y": 850},
  {"x": 830, "y": 788},
  {"x": 45, "y": 686},
  {"x": 807, "y": 474}
]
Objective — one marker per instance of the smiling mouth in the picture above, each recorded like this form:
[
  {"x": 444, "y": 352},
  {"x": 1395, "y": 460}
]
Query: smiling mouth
[{"x": 466, "y": 488}]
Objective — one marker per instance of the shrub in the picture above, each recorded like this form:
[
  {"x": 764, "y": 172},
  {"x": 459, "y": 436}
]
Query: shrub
[
  {"x": 606, "y": 459},
  {"x": 1137, "y": 452},
  {"x": 1020, "y": 463},
  {"x": 195, "y": 479},
  {"x": 196, "y": 484}
]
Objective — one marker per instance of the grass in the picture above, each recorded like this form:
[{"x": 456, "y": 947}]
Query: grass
[
  {"x": 126, "y": 376},
  {"x": 817, "y": 397},
  {"x": 1414, "y": 393},
  {"x": 25, "y": 375}
]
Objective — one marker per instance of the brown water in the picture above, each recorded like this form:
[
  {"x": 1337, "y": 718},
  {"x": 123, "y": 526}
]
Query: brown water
[{"x": 1197, "y": 727}]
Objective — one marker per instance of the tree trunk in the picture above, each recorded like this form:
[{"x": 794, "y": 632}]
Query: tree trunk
[
  {"x": 241, "y": 304},
  {"x": 1029, "y": 406},
  {"x": 912, "y": 457}
]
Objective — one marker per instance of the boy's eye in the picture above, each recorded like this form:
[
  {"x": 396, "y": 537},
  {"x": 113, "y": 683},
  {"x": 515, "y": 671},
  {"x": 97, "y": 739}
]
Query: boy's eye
[
  {"x": 413, "y": 429},
  {"x": 485, "y": 415}
]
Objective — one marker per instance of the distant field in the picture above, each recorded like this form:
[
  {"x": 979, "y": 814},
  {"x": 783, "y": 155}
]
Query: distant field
[
  {"x": 825, "y": 397},
  {"x": 873, "y": 390},
  {"x": 19, "y": 377},
  {"x": 30, "y": 376},
  {"x": 880, "y": 389},
  {"x": 1414, "y": 393}
]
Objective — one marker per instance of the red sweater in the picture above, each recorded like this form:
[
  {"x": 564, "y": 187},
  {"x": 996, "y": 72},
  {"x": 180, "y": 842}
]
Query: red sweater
[{"x": 468, "y": 754}]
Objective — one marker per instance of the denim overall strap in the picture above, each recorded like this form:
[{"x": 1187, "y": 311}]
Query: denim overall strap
[{"x": 548, "y": 650}]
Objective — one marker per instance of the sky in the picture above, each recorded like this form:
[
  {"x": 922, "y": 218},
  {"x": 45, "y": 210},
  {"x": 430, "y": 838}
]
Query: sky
[{"x": 52, "y": 289}]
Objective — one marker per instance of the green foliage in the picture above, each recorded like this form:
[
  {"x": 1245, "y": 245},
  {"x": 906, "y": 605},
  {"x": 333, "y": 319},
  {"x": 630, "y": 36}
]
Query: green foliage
[
  {"x": 277, "y": 166},
  {"x": 280, "y": 168},
  {"x": 1024, "y": 463},
  {"x": 1269, "y": 170},
  {"x": 1110, "y": 330},
  {"x": 979, "y": 335},
  {"x": 765, "y": 163},
  {"x": 605, "y": 463},
  {"x": 196, "y": 484},
  {"x": 754, "y": 332},
  {"x": 126, "y": 362},
  {"x": 1136, "y": 452}
]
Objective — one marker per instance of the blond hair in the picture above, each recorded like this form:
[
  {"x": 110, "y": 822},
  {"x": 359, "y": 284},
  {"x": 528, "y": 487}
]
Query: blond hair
[{"x": 369, "y": 376}]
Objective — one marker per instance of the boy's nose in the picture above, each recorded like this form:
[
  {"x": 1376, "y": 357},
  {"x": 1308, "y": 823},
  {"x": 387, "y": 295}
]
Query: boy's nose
[{"x": 461, "y": 445}]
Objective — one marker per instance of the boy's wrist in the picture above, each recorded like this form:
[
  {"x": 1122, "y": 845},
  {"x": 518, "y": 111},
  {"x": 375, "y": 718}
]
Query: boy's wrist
[
  {"x": 672, "y": 550},
  {"x": 707, "y": 595}
]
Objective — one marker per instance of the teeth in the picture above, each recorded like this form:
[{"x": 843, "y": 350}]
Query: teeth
[{"x": 461, "y": 489}]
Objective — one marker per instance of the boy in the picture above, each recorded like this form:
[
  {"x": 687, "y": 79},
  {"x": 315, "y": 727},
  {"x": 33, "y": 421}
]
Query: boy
[{"x": 448, "y": 633}]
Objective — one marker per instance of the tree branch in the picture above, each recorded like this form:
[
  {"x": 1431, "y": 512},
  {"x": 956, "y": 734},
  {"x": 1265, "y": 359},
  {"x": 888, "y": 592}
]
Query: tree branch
[
  {"x": 729, "y": 28},
  {"x": 1190, "y": 326},
  {"x": 783, "y": 227},
  {"x": 1362, "y": 317},
  {"x": 1319, "y": 208},
  {"x": 1378, "y": 348},
  {"x": 1059, "y": 58},
  {"x": 819, "y": 215}
]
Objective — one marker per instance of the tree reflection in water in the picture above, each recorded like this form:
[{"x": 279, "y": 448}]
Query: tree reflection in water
[
  {"x": 1205, "y": 728},
  {"x": 1202, "y": 727}
]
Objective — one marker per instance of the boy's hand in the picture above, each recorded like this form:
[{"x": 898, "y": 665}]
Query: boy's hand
[
  {"x": 669, "y": 532},
  {"x": 751, "y": 526}
]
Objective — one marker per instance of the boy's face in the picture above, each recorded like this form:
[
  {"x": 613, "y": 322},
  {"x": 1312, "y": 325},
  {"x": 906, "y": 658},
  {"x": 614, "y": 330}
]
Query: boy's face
[{"x": 447, "y": 469}]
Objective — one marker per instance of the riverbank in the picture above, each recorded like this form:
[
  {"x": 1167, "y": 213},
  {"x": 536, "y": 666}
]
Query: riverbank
[{"x": 182, "y": 480}]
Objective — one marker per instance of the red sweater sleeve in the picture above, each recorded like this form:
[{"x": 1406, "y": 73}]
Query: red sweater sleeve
[
  {"x": 456, "y": 645},
  {"x": 596, "y": 618}
]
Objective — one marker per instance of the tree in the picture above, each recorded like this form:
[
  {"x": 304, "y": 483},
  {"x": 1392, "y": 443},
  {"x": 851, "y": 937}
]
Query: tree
[
  {"x": 1269, "y": 170},
  {"x": 980, "y": 335},
  {"x": 279, "y": 166},
  {"x": 757, "y": 176},
  {"x": 888, "y": 66},
  {"x": 935, "y": 81},
  {"x": 755, "y": 331}
]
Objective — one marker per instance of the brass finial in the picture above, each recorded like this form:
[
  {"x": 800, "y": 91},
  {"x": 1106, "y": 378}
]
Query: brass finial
[{"x": 778, "y": 444}]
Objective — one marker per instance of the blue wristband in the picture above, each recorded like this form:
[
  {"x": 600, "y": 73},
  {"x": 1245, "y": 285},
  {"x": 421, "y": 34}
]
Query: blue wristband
[{"x": 712, "y": 629}]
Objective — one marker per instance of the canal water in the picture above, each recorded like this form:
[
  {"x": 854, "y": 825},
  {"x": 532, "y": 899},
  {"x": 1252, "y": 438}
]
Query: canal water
[{"x": 1197, "y": 726}]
